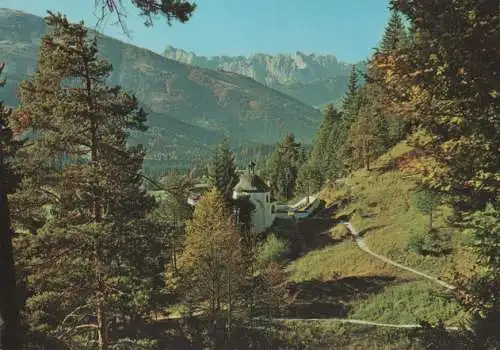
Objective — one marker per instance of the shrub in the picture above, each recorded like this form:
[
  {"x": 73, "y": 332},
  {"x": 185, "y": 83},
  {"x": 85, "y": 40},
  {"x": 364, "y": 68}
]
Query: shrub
[
  {"x": 273, "y": 249},
  {"x": 428, "y": 244},
  {"x": 416, "y": 243}
]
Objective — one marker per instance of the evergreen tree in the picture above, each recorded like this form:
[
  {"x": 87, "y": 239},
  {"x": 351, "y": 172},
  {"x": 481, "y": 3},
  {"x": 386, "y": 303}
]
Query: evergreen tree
[
  {"x": 284, "y": 166},
  {"x": 374, "y": 98},
  {"x": 100, "y": 247},
  {"x": 395, "y": 35},
  {"x": 309, "y": 179},
  {"x": 180, "y": 10},
  {"x": 367, "y": 139},
  {"x": 479, "y": 293},
  {"x": 351, "y": 100},
  {"x": 426, "y": 200},
  {"x": 172, "y": 214},
  {"x": 321, "y": 143},
  {"x": 9, "y": 314},
  {"x": 374, "y": 127},
  {"x": 334, "y": 146},
  {"x": 222, "y": 171},
  {"x": 323, "y": 161}
]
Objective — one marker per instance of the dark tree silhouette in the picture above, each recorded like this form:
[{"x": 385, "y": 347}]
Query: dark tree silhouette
[{"x": 180, "y": 10}]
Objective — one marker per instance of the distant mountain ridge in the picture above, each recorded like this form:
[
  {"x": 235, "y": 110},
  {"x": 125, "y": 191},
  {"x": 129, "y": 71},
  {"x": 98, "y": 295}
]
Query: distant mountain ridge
[
  {"x": 293, "y": 74},
  {"x": 190, "y": 108}
]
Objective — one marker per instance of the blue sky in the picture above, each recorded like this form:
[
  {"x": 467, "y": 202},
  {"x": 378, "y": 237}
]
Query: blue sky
[{"x": 349, "y": 29}]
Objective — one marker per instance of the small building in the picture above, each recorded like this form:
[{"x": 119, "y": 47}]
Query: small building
[
  {"x": 252, "y": 186},
  {"x": 196, "y": 193},
  {"x": 265, "y": 211}
]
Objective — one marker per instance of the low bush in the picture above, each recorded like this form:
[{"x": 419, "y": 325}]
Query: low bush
[{"x": 272, "y": 249}]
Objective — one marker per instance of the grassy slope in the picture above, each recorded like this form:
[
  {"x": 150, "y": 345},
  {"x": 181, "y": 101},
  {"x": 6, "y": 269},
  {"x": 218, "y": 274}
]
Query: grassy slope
[{"x": 379, "y": 203}]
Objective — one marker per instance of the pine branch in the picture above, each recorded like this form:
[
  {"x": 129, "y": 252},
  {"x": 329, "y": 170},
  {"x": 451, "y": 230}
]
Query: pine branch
[
  {"x": 88, "y": 325},
  {"x": 43, "y": 189},
  {"x": 72, "y": 313}
]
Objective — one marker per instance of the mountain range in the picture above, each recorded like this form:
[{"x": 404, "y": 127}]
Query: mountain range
[
  {"x": 191, "y": 108},
  {"x": 313, "y": 79}
]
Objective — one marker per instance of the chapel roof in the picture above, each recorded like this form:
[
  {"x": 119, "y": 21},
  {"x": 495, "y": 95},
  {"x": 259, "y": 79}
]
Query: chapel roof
[{"x": 250, "y": 182}]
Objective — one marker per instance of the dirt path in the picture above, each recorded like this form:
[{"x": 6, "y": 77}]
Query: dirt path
[
  {"x": 362, "y": 322},
  {"x": 340, "y": 320},
  {"x": 362, "y": 245}
]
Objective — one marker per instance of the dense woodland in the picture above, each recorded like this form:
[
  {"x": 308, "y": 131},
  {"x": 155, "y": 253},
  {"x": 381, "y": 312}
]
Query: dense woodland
[{"x": 89, "y": 259}]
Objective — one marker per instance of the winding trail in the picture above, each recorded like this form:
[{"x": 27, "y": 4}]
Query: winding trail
[
  {"x": 362, "y": 245},
  {"x": 362, "y": 322},
  {"x": 339, "y": 320}
]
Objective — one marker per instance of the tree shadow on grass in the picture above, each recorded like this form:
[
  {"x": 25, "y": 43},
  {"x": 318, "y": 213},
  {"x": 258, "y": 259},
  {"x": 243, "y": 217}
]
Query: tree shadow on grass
[
  {"x": 192, "y": 333},
  {"x": 316, "y": 233},
  {"x": 326, "y": 299},
  {"x": 189, "y": 333},
  {"x": 327, "y": 211},
  {"x": 346, "y": 217},
  {"x": 369, "y": 229}
]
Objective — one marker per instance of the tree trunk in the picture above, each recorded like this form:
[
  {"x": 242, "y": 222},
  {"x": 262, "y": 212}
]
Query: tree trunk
[
  {"x": 9, "y": 314},
  {"x": 213, "y": 302},
  {"x": 174, "y": 249},
  {"x": 252, "y": 292},
  {"x": 102, "y": 329},
  {"x": 102, "y": 326},
  {"x": 430, "y": 220},
  {"x": 229, "y": 308}
]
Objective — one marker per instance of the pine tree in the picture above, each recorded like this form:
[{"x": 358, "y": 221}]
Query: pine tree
[
  {"x": 367, "y": 138},
  {"x": 9, "y": 314},
  {"x": 351, "y": 100},
  {"x": 172, "y": 214},
  {"x": 334, "y": 145},
  {"x": 426, "y": 200},
  {"x": 101, "y": 246},
  {"x": 320, "y": 147},
  {"x": 180, "y": 10},
  {"x": 323, "y": 161},
  {"x": 395, "y": 35},
  {"x": 309, "y": 179},
  {"x": 222, "y": 170},
  {"x": 479, "y": 293},
  {"x": 284, "y": 166}
]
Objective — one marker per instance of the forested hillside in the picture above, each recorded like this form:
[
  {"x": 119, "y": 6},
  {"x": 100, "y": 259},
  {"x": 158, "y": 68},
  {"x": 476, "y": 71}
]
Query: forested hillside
[{"x": 191, "y": 109}]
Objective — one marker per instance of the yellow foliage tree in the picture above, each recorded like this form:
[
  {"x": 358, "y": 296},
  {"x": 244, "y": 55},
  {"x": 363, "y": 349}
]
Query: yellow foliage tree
[{"x": 212, "y": 260}]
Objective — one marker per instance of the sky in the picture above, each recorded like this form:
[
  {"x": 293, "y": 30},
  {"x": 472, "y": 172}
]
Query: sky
[{"x": 348, "y": 29}]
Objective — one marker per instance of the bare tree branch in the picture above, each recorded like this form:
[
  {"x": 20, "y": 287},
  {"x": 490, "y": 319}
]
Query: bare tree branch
[
  {"x": 89, "y": 325},
  {"x": 72, "y": 313},
  {"x": 180, "y": 10}
]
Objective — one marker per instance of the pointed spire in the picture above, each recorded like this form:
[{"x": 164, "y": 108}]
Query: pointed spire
[{"x": 251, "y": 167}]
